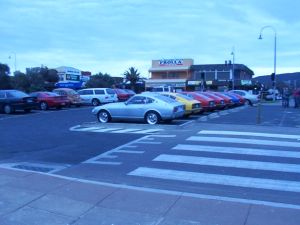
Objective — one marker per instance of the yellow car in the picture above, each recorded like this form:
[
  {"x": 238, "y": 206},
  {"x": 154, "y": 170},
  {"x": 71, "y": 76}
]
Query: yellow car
[{"x": 191, "y": 106}]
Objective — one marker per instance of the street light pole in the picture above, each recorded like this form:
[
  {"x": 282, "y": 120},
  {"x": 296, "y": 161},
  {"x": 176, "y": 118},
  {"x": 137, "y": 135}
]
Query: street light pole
[
  {"x": 15, "y": 62},
  {"x": 233, "y": 55},
  {"x": 275, "y": 50}
]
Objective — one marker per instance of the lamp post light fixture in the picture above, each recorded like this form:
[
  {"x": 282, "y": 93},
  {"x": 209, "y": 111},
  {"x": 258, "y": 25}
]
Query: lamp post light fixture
[
  {"x": 15, "y": 63},
  {"x": 275, "y": 46}
]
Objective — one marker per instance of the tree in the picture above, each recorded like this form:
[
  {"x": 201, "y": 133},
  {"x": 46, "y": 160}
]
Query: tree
[
  {"x": 5, "y": 81},
  {"x": 132, "y": 75},
  {"x": 4, "y": 70},
  {"x": 100, "y": 80},
  {"x": 21, "y": 82}
]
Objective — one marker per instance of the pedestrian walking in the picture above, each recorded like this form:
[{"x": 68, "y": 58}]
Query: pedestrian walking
[
  {"x": 286, "y": 98},
  {"x": 296, "y": 95}
]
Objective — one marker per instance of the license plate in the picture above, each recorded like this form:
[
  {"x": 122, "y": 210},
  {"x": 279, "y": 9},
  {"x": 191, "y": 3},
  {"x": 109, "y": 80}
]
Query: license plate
[{"x": 29, "y": 101}]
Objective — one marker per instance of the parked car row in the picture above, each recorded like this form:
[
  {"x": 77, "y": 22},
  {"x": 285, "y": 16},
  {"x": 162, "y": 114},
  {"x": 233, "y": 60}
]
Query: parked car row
[
  {"x": 155, "y": 107},
  {"x": 12, "y": 100}
]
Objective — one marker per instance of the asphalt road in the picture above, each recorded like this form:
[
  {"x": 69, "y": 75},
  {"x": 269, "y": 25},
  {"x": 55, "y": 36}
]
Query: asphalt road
[
  {"x": 121, "y": 153},
  {"x": 45, "y": 137}
]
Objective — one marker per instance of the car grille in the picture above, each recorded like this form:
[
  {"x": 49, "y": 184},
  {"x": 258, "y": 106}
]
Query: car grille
[
  {"x": 211, "y": 104},
  {"x": 196, "y": 106}
]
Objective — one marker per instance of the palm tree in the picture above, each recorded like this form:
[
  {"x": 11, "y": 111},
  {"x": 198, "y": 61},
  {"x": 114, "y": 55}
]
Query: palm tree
[{"x": 133, "y": 76}]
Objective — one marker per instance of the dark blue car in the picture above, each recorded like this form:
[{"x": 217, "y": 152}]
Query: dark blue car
[{"x": 12, "y": 100}]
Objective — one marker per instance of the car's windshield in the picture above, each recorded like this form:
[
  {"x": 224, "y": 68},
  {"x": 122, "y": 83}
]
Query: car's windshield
[
  {"x": 165, "y": 98},
  {"x": 184, "y": 96},
  {"x": 16, "y": 94}
]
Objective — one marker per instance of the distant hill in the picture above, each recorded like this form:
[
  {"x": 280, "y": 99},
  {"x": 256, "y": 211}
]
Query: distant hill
[{"x": 285, "y": 79}]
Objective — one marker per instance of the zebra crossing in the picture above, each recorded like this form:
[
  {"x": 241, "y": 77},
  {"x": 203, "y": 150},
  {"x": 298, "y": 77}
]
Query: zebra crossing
[
  {"x": 251, "y": 161},
  {"x": 115, "y": 130}
]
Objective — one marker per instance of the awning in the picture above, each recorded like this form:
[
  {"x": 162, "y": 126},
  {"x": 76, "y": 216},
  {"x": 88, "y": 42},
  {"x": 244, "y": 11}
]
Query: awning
[
  {"x": 165, "y": 82},
  {"x": 169, "y": 68}
]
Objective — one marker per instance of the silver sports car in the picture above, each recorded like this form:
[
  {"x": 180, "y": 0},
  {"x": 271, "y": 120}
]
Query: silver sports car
[{"x": 152, "y": 109}]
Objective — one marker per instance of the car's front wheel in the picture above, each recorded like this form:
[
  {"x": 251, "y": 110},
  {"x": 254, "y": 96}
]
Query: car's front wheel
[
  {"x": 152, "y": 118},
  {"x": 95, "y": 102},
  {"x": 43, "y": 106},
  {"x": 104, "y": 116},
  {"x": 248, "y": 102},
  {"x": 8, "y": 109}
]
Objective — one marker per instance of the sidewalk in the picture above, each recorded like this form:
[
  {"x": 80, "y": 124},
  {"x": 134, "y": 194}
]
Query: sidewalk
[{"x": 28, "y": 198}]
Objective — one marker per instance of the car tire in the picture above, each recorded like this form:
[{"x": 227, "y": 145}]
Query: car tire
[
  {"x": 95, "y": 102},
  {"x": 44, "y": 106},
  {"x": 248, "y": 102},
  {"x": 152, "y": 118},
  {"x": 103, "y": 116},
  {"x": 8, "y": 109}
]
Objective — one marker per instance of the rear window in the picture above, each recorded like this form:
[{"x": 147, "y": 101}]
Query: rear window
[
  {"x": 16, "y": 94},
  {"x": 100, "y": 92},
  {"x": 50, "y": 94},
  {"x": 110, "y": 91},
  {"x": 72, "y": 92}
]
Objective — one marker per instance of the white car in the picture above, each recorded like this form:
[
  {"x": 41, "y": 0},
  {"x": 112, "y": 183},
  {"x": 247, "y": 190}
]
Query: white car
[
  {"x": 97, "y": 96},
  {"x": 250, "y": 98}
]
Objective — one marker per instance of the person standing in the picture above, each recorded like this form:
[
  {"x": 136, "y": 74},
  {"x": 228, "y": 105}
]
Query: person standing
[
  {"x": 296, "y": 95},
  {"x": 286, "y": 97}
]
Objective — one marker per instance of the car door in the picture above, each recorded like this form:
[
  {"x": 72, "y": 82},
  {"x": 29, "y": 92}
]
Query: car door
[
  {"x": 86, "y": 95},
  {"x": 135, "y": 107}
]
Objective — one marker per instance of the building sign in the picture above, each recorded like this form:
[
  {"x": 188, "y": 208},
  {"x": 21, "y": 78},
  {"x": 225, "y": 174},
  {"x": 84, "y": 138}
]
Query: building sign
[
  {"x": 72, "y": 77},
  {"x": 171, "y": 62}
]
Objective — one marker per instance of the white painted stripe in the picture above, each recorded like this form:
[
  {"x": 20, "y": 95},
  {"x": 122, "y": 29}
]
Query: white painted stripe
[
  {"x": 237, "y": 133},
  {"x": 148, "y": 131},
  {"x": 86, "y": 129},
  {"x": 104, "y": 163},
  {"x": 150, "y": 142},
  {"x": 213, "y": 115},
  {"x": 102, "y": 130},
  {"x": 232, "y": 150},
  {"x": 247, "y": 182},
  {"x": 124, "y": 131},
  {"x": 163, "y": 135},
  {"x": 130, "y": 151},
  {"x": 245, "y": 141},
  {"x": 244, "y": 164}
]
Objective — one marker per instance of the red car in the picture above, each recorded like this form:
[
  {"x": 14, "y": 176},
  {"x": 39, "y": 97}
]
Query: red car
[
  {"x": 227, "y": 100},
  {"x": 48, "y": 100},
  {"x": 208, "y": 104},
  {"x": 220, "y": 102},
  {"x": 124, "y": 94}
]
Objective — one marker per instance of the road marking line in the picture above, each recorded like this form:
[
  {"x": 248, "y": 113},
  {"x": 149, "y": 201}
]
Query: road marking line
[
  {"x": 237, "y": 133},
  {"x": 147, "y": 131},
  {"x": 130, "y": 152},
  {"x": 150, "y": 142},
  {"x": 87, "y": 129},
  {"x": 125, "y": 131},
  {"x": 233, "y": 163},
  {"x": 102, "y": 130},
  {"x": 232, "y": 150},
  {"x": 247, "y": 182},
  {"x": 106, "y": 163},
  {"x": 244, "y": 141}
]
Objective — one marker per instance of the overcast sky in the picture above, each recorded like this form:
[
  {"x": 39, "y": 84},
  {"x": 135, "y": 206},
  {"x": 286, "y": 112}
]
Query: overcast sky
[{"x": 112, "y": 35}]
